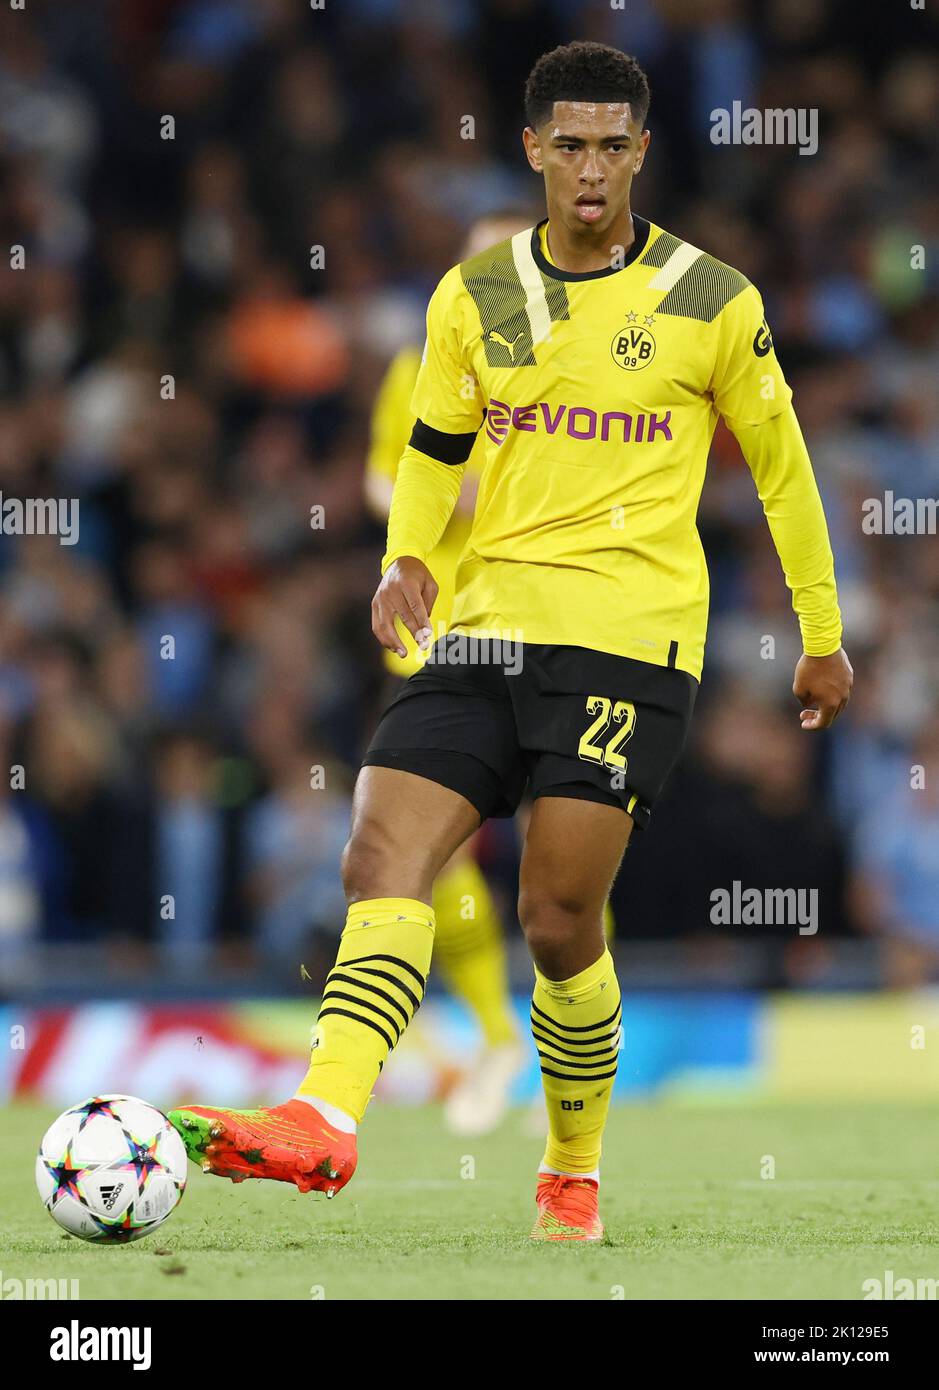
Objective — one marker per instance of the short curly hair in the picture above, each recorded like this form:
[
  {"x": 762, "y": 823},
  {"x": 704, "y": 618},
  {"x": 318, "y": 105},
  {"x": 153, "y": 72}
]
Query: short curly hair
[{"x": 585, "y": 71}]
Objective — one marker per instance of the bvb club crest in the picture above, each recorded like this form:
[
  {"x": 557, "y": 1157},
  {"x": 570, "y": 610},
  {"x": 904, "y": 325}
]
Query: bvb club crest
[{"x": 633, "y": 347}]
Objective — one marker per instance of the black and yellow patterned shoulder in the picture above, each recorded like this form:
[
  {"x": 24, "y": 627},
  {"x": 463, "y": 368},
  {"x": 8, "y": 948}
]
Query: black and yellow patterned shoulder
[
  {"x": 694, "y": 285},
  {"x": 515, "y": 302}
]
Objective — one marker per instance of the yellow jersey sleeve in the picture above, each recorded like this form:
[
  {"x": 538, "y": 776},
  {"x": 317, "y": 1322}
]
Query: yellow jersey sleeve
[
  {"x": 421, "y": 505},
  {"x": 779, "y": 461},
  {"x": 446, "y": 394},
  {"x": 747, "y": 383},
  {"x": 447, "y": 412},
  {"x": 750, "y": 391}
]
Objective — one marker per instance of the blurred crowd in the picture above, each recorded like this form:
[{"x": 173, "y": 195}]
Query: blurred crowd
[{"x": 231, "y": 215}]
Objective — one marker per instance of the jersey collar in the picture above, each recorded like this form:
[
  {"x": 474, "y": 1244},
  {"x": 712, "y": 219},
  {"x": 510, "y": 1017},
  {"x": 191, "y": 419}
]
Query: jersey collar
[{"x": 641, "y": 229}]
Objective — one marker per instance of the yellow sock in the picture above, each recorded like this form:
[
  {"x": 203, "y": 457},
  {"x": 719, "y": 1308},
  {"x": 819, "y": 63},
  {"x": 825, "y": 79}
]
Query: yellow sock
[
  {"x": 469, "y": 950},
  {"x": 371, "y": 995},
  {"x": 575, "y": 1024}
]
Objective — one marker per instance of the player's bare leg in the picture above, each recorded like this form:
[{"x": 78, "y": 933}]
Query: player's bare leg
[
  {"x": 572, "y": 852},
  {"x": 404, "y": 829}
]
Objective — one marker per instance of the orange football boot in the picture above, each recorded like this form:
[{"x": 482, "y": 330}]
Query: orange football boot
[
  {"x": 567, "y": 1208},
  {"x": 288, "y": 1143}
]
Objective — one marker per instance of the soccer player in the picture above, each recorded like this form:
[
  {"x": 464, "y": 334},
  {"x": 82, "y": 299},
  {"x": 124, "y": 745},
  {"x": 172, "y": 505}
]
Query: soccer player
[
  {"x": 597, "y": 352},
  {"x": 469, "y": 948}
]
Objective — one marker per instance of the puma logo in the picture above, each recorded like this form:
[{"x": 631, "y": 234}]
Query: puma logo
[{"x": 495, "y": 337}]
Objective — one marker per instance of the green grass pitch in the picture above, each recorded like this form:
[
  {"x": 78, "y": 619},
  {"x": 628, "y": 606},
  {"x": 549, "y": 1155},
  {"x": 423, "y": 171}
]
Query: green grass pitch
[{"x": 687, "y": 1214}]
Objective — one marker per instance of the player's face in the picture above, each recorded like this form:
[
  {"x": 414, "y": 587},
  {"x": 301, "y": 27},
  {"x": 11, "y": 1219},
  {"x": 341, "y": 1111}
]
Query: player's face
[{"x": 589, "y": 153}]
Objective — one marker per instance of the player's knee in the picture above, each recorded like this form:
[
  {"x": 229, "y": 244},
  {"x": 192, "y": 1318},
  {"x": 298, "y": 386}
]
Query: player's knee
[
  {"x": 368, "y": 862},
  {"x": 551, "y": 921}
]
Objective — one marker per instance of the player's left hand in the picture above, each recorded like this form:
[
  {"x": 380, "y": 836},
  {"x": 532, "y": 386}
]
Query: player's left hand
[{"x": 823, "y": 685}]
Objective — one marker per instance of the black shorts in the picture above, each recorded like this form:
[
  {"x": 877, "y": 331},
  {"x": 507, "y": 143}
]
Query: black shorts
[{"x": 561, "y": 721}]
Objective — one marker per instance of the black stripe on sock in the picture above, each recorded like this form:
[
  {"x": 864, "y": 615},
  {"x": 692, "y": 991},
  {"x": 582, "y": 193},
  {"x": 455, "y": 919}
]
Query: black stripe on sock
[
  {"x": 324, "y": 1013},
  {"x": 391, "y": 960},
  {"x": 336, "y": 974},
  {"x": 569, "y": 1028},
  {"x": 392, "y": 980},
  {"x": 578, "y": 1066},
  {"x": 548, "y": 1042},
  {"x": 609, "y": 1035},
  {"x": 562, "y": 1077},
  {"x": 330, "y": 993}
]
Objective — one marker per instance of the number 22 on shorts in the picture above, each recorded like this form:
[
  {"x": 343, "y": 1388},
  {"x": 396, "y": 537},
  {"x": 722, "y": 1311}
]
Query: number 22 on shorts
[{"x": 623, "y": 713}]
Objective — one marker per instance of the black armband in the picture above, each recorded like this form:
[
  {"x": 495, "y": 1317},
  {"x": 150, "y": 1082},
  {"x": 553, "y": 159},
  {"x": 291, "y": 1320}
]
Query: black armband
[{"x": 445, "y": 448}]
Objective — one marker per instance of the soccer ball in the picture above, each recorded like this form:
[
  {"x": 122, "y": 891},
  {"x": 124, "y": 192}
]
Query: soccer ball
[{"x": 111, "y": 1169}]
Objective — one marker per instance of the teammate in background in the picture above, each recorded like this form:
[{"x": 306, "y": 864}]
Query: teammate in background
[
  {"x": 469, "y": 948},
  {"x": 596, "y": 352}
]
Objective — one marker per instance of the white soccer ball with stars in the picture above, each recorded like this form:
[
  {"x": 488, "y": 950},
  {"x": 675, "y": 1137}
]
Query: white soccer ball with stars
[{"x": 111, "y": 1169}]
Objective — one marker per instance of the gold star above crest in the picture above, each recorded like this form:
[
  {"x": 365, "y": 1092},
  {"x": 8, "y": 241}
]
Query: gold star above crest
[
  {"x": 631, "y": 317},
  {"x": 648, "y": 320}
]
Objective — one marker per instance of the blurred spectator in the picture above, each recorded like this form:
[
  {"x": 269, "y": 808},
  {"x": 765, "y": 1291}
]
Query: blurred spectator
[
  {"x": 294, "y": 837},
  {"x": 897, "y": 868},
  {"x": 188, "y": 849}
]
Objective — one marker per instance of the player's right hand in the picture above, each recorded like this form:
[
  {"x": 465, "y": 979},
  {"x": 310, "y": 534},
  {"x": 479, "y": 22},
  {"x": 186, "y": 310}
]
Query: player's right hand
[{"x": 407, "y": 591}]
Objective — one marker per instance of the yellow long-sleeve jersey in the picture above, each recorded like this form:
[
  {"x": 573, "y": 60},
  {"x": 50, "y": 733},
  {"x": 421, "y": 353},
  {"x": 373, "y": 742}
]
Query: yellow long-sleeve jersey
[{"x": 599, "y": 393}]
